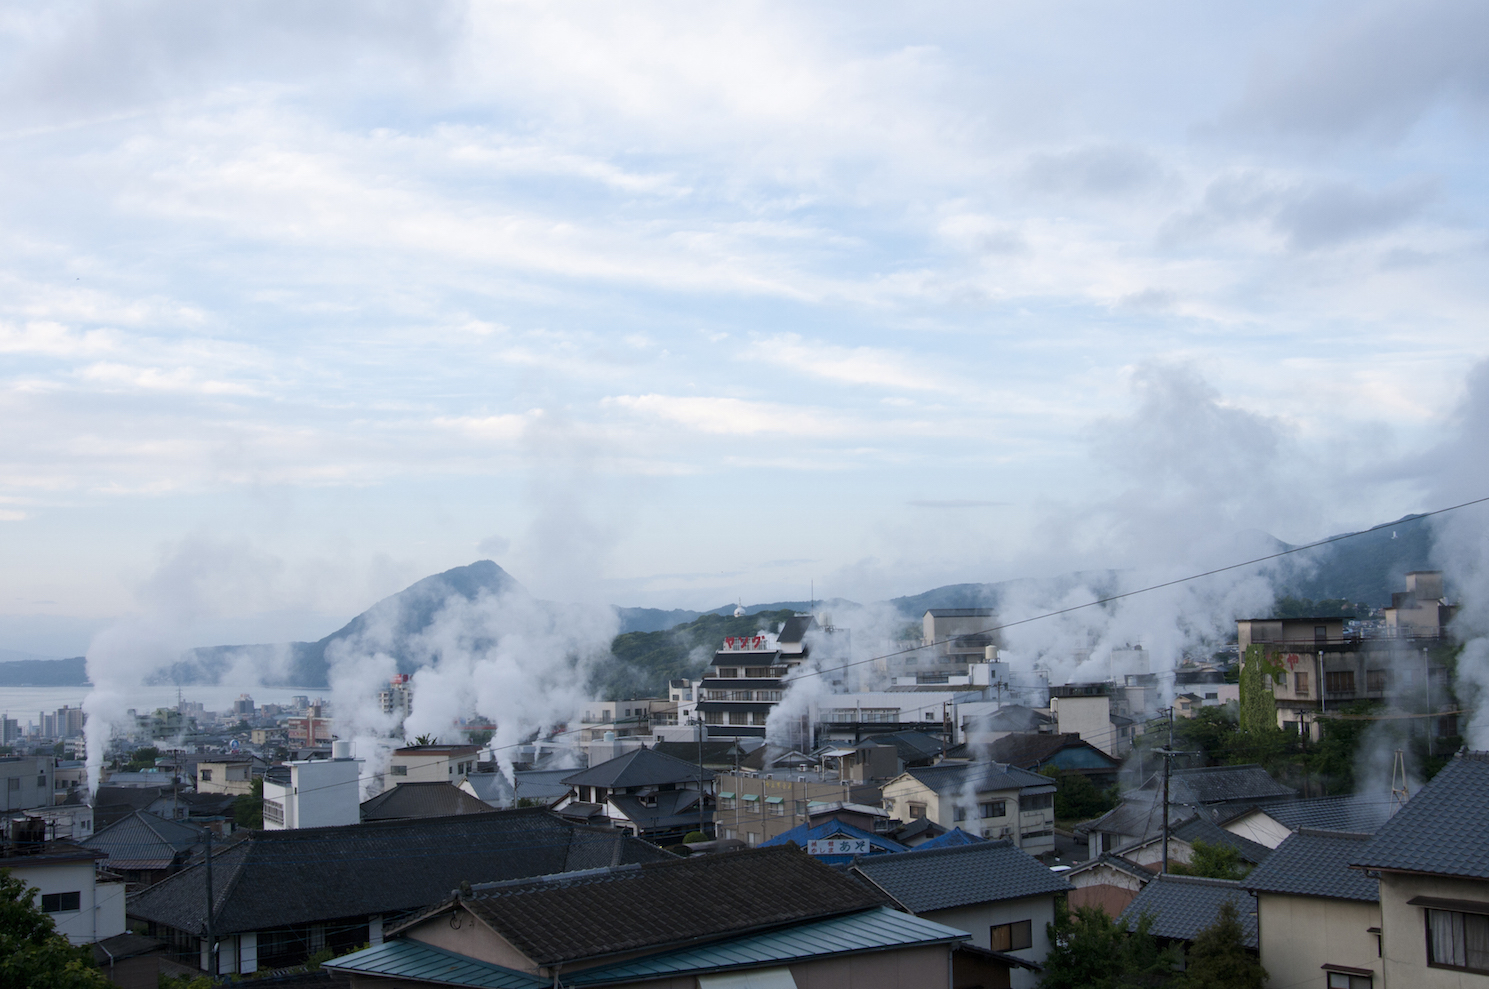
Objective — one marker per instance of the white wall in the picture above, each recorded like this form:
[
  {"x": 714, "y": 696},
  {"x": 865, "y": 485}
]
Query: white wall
[
  {"x": 978, "y": 919},
  {"x": 321, "y": 793},
  {"x": 100, "y": 912}
]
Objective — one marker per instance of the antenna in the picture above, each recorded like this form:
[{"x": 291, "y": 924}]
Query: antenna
[{"x": 1399, "y": 792}]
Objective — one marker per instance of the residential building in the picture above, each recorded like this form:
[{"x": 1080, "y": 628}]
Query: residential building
[
  {"x": 244, "y": 707},
  {"x": 66, "y": 722},
  {"x": 285, "y": 895},
  {"x": 989, "y": 798},
  {"x": 756, "y": 805},
  {"x": 1182, "y": 906},
  {"x": 1001, "y": 895},
  {"x": 397, "y": 698},
  {"x": 770, "y": 917},
  {"x": 411, "y": 801},
  {"x": 26, "y": 781},
  {"x": 1036, "y": 751},
  {"x": 10, "y": 731},
  {"x": 86, "y": 903},
  {"x": 225, "y": 774},
  {"x": 1318, "y": 920},
  {"x": 431, "y": 764},
  {"x": 744, "y": 684},
  {"x": 144, "y": 848},
  {"x": 1108, "y": 882},
  {"x": 316, "y": 793},
  {"x": 1085, "y": 710},
  {"x": 1274, "y": 823},
  {"x": 1422, "y": 611},
  {"x": 313, "y": 728},
  {"x": 646, "y": 792},
  {"x": 1432, "y": 859}
]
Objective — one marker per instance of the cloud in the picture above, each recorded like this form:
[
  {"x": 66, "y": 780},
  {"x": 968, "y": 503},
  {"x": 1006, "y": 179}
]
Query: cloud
[
  {"x": 1102, "y": 171},
  {"x": 849, "y": 365},
  {"x": 494, "y": 546},
  {"x": 955, "y": 503}
]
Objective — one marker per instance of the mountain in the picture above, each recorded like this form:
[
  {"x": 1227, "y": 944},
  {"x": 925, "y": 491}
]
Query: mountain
[
  {"x": 44, "y": 672},
  {"x": 1366, "y": 567}
]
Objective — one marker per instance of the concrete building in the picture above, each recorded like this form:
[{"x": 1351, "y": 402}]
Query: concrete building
[
  {"x": 85, "y": 905},
  {"x": 397, "y": 698},
  {"x": 990, "y": 799},
  {"x": 26, "y": 781},
  {"x": 1085, "y": 709},
  {"x": 315, "y": 794},
  {"x": 225, "y": 774},
  {"x": 1421, "y": 611},
  {"x": 431, "y": 764},
  {"x": 757, "y": 806}
]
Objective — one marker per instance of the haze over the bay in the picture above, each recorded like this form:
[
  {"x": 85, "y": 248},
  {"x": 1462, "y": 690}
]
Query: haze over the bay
[{"x": 663, "y": 305}]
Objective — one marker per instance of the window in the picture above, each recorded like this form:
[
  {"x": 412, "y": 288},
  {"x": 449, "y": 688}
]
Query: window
[
  {"x": 207, "y": 775},
  {"x": 584, "y": 794},
  {"x": 14, "y": 783},
  {"x": 757, "y": 672},
  {"x": 713, "y": 717},
  {"x": 398, "y": 770},
  {"x": 1343, "y": 980},
  {"x": 960, "y": 814},
  {"x": 917, "y": 810},
  {"x": 1036, "y": 801},
  {"x": 273, "y": 812},
  {"x": 1458, "y": 940},
  {"x": 994, "y": 808},
  {"x": 61, "y": 902},
  {"x": 728, "y": 671},
  {"x": 1340, "y": 683},
  {"x": 777, "y": 806},
  {"x": 801, "y": 808},
  {"x": 1376, "y": 681},
  {"x": 1320, "y": 633},
  {"x": 726, "y": 801},
  {"x": 1300, "y": 684},
  {"x": 1012, "y": 937},
  {"x": 739, "y": 718}
]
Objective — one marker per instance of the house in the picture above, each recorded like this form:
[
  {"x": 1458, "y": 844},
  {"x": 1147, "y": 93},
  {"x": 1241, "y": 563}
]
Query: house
[
  {"x": 1001, "y": 895},
  {"x": 432, "y": 764},
  {"x": 285, "y": 895},
  {"x": 1318, "y": 920},
  {"x": 225, "y": 774},
  {"x": 1182, "y": 906},
  {"x": 86, "y": 903},
  {"x": 144, "y": 848},
  {"x": 652, "y": 795},
  {"x": 410, "y": 801},
  {"x": 766, "y": 917},
  {"x": 1036, "y": 750},
  {"x": 314, "y": 793},
  {"x": 1217, "y": 792},
  {"x": 1108, "y": 882},
  {"x": 1432, "y": 858},
  {"x": 1274, "y": 823},
  {"x": 1422, "y": 611},
  {"x": 717, "y": 755},
  {"x": 1184, "y": 833},
  {"x": 529, "y": 787},
  {"x": 836, "y": 842},
  {"x": 129, "y": 961},
  {"x": 996, "y": 800}
]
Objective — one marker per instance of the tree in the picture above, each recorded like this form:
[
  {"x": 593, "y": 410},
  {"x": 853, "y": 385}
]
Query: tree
[
  {"x": 426, "y": 740},
  {"x": 1089, "y": 950},
  {"x": 1076, "y": 797},
  {"x": 32, "y": 954},
  {"x": 1215, "y": 861},
  {"x": 248, "y": 810},
  {"x": 1218, "y": 958}
]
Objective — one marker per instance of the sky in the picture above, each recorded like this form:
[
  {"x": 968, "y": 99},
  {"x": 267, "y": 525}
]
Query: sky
[{"x": 670, "y": 305}]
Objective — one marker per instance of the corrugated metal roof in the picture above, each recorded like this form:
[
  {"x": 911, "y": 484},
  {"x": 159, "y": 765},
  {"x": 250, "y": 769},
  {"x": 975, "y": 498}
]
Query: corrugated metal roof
[
  {"x": 874, "y": 930},
  {"x": 409, "y": 959}
]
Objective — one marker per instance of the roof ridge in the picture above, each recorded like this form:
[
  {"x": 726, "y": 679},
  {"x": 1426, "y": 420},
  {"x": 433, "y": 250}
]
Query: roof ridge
[
  {"x": 1201, "y": 880},
  {"x": 1327, "y": 833}
]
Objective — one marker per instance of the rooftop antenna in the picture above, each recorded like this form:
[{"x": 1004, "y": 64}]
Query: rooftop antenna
[{"x": 1399, "y": 792}]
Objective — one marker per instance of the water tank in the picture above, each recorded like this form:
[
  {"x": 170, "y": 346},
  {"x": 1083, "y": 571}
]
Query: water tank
[
  {"x": 610, "y": 736},
  {"x": 341, "y": 749}
]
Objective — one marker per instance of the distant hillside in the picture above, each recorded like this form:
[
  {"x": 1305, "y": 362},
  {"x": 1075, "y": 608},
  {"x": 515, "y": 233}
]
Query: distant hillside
[
  {"x": 44, "y": 673},
  {"x": 1367, "y": 567},
  {"x": 645, "y": 661}
]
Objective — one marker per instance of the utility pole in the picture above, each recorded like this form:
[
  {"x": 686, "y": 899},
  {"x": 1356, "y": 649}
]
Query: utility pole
[
  {"x": 1427, "y": 678},
  {"x": 699, "y": 719},
  {"x": 1168, "y": 761},
  {"x": 211, "y": 926}
]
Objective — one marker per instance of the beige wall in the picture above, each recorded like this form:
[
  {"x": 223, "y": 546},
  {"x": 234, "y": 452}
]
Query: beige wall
[
  {"x": 976, "y": 920},
  {"x": 911, "y": 967},
  {"x": 1404, "y": 930},
  {"x": 901, "y": 792},
  {"x": 1088, "y": 717},
  {"x": 472, "y": 939},
  {"x": 1301, "y": 934}
]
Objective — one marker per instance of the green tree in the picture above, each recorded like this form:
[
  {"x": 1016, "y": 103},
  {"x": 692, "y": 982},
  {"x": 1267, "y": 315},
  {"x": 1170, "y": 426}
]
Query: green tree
[
  {"x": 248, "y": 810},
  {"x": 1258, "y": 706},
  {"x": 1215, "y": 861},
  {"x": 32, "y": 954},
  {"x": 1089, "y": 950},
  {"x": 1076, "y": 797},
  {"x": 1218, "y": 958}
]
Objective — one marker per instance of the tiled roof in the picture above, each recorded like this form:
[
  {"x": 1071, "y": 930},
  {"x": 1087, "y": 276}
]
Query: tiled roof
[
  {"x": 1316, "y": 863},
  {"x": 663, "y": 904},
  {"x": 1361, "y": 813},
  {"x": 674, "y": 809},
  {"x": 960, "y": 875},
  {"x": 960, "y": 612},
  {"x": 831, "y": 828},
  {"x": 643, "y": 767},
  {"x": 795, "y": 628},
  {"x": 1138, "y": 815},
  {"x": 720, "y": 754},
  {"x": 1201, "y": 828},
  {"x": 951, "y": 839},
  {"x": 408, "y": 801},
  {"x": 1029, "y": 749},
  {"x": 273, "y": 878},
  {"x": 983, "y": 776},
  {"x": 910, "y": 746},
  {"x": 1182, "y": 906},
  {"x": 1220, "y": 784},
  {"x": 1441, "y": 829},
  {"x": 868, "y": 930},
  {"x": 145, "y": 841}
]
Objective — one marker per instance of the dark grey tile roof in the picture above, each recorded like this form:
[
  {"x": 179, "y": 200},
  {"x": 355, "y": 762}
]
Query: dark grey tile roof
[
  {"x": 983, "y": 776},
  {"x": 1029, "y": 749},
  {"x": 1220, "y": 784},
  {"x": 719, "y": 755},
  {"x": 271, "y": 879},
  {"x": 145, "y": 841},
  {"x": 1359, "y": 813},
  {"x": 1138, "y": 815},
  {"x": 795, "y": 628},
  {"x": 685, "y": 901},
  {"x": 1182, "y": 906},
  {"x": 1316, "y": 863},
  {"x": 910, "y": 746},
  {"x": 1200, "y": 828},
  {"x": 674, "y": 809},
  {"x": 643, "y": 767},
  {"x": 1441, "y": 829},
  {"x": 408, "y": 801},
  {"x": 960, "y": 612},
  {"x": 941, "y": 878}
]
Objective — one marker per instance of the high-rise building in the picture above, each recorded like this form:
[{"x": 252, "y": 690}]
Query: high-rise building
[
  {"x": 10, "y": 731},
  {"x": 398, "y": 698}
]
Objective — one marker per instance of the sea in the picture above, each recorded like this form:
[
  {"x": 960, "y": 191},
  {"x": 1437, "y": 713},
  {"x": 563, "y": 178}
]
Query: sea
[{"x": 25, "y": 704}]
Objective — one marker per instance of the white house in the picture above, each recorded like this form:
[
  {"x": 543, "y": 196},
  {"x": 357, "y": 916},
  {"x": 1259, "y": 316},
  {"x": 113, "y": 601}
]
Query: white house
[{"x": 85, "y": 906}]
